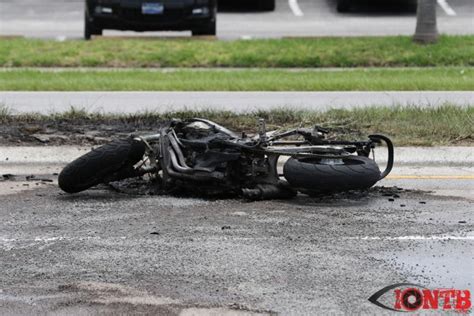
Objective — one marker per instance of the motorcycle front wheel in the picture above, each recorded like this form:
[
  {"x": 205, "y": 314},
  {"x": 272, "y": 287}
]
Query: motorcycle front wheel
[
  {"x": 315, "y": 176},
  {"x": 99, "y": 164}
]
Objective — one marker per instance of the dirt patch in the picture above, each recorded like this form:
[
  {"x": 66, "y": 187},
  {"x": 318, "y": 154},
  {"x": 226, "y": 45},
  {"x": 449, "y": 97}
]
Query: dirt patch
[
  {"x": 74, "y": 132},
  {"x": 120, "y": 298},
  {"x": 10, "y": 184}
]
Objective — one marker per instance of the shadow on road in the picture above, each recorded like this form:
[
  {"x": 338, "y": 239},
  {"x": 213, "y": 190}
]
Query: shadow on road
[
  {"x": 238, "y": 6},
  {"x": 96, "y": 194},
  {"x": 379, "y": 8}
]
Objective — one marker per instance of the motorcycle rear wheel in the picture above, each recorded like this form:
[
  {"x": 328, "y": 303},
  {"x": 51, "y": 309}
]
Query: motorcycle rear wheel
[
  {"x": 314, "y": 176},
  {"x": 95, "y": 166}
]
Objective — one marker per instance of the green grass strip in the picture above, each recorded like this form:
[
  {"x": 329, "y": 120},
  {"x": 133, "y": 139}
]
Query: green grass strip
[
  {"x": 293, "y": 52},
  {"x": 240, "y": 80},
  {"x": 419, "y": 126}
]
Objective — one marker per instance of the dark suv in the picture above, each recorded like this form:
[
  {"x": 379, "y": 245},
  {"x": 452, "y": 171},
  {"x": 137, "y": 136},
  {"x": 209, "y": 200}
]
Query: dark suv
[{"x": 199, "y": 16}]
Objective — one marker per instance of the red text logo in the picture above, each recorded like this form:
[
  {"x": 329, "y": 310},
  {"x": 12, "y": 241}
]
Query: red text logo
[{"x": 409, "y": 297}]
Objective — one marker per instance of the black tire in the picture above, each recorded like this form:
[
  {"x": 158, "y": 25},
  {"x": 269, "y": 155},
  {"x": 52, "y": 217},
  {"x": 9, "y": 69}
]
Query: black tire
[
  {"x": 312, "y": 176},
  {"x": 266, "y": 5},
  {"x": 208, "y": 30},
  {"x": 343, "y": 6},
  {"x": 89, "y": 28},
  {"x": 100, "y": 163}
]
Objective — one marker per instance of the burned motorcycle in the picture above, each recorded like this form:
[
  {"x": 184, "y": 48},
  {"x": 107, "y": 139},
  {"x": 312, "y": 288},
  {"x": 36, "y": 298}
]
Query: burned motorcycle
[{"x": 201, "y": 157}]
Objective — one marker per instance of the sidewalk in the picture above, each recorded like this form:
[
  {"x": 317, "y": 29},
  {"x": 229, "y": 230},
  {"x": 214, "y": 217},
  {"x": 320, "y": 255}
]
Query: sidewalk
[{"x": 136, "y": 101}]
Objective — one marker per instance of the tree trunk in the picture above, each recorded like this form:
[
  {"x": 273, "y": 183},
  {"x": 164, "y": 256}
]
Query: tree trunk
[{"x": 426, "y": 29}]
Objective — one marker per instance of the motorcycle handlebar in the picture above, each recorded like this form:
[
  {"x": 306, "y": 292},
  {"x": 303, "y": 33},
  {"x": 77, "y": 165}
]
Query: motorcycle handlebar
[{"x": 388, "y": 142}]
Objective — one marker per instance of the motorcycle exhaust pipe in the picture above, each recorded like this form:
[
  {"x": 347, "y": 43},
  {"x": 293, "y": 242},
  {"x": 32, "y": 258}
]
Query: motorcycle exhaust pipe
[{"x": 176, "y": 165}]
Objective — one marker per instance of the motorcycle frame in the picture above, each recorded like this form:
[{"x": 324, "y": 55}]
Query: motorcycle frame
[{"x": 170, "y": 160}]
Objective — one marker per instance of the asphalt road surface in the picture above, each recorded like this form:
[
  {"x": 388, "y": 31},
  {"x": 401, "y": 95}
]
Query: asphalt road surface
[
  {"x": 131, "y": 102},
  {"x": 106, "y": 252},
  {"x": 63, "y": 19}
]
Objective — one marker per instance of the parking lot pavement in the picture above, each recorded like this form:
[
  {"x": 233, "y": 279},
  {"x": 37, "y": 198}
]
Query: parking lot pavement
[{"x": 63, "y": 19}]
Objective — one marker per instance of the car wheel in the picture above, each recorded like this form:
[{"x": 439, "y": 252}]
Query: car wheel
[
  {"x": 209, "y": 30},
  {"x": 90, "y": 29},
  {"x": 266, "y": 5},
  {"x": 343, "y": 6}
]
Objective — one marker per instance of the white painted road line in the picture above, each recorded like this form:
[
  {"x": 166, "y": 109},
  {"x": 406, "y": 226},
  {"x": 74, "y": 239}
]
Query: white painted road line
[
  {"x": 446, "y": 7},
  {"x": 295, "y": 8},
  {"x": 414, "y": 238}
]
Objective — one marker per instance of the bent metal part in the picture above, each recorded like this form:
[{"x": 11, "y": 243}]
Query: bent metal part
[{"x": 198, "y": 156}]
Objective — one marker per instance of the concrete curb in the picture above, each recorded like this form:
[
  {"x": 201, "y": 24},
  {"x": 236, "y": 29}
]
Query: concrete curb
[{"x": 405, "y": 156}]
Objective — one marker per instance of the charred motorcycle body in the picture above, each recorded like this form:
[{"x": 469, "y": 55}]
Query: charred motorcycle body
[{"x": 201, "y": 157}]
